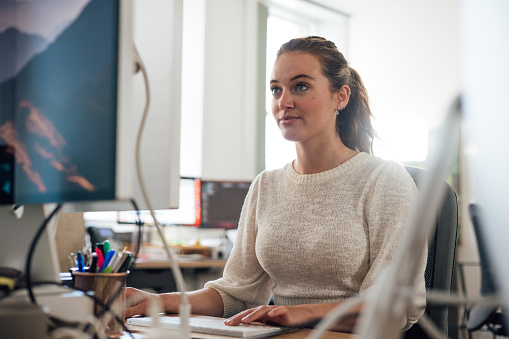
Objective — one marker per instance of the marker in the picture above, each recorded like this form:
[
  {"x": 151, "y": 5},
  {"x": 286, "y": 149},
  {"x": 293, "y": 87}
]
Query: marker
[
  {"x": 127, "y": 262},
  {"x": 101, "y": 247},
  {"x": 106, "y": 247},
  {"x": 123, "y": 257},
  {"x": 112, "y": 263},
  {"x": 80, "y": 261},
  {"x": 100, "y": 259},
  {"x": 93, "y": 263},
  {"x": 107, "y": 259}
]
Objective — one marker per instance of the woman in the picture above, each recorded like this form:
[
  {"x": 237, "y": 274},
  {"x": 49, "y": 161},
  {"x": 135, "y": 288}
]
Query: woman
[{"x": 319, "y": 230}]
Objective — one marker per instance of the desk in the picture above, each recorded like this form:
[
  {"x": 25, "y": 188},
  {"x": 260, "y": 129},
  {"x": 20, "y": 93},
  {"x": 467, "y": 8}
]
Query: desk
[
  {"x": 300, "y": 334},
  {"x": 157, "y": 275},
  {"x": 138, "y": 333}
]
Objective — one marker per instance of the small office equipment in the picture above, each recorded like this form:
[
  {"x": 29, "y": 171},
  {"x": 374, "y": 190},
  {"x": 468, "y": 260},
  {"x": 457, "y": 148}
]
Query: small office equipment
[
  {"x": 213, "y": 325},
  {"x": 221, "y": 203}
]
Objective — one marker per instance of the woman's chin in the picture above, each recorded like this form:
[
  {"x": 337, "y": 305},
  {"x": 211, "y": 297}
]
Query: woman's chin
[{"x": 290, "y": 135}]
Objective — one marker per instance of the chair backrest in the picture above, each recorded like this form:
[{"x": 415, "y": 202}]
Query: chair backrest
[{"x": 441, "y": 253}]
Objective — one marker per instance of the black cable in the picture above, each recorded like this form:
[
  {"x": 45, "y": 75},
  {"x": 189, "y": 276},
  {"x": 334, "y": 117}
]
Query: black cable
[
  {"x": 140, "y": 229},
  {"x": 31, "y": 250}
]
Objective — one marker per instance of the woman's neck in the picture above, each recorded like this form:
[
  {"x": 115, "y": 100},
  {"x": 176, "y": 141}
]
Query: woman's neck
[{"x": 313, "y": 159}]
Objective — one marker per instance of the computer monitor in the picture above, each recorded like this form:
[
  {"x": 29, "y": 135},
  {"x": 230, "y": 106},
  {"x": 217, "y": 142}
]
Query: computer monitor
[
  {"x": 67, "y": 127},
  {"x": 221, "y": 203}
]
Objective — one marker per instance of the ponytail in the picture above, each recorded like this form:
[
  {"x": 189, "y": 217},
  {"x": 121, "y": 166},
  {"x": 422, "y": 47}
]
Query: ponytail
[{"x": 353, "y": 124}]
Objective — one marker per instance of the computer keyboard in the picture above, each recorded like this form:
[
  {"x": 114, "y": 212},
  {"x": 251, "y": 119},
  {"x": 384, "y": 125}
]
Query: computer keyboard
[{"x": 213, "y": 325}]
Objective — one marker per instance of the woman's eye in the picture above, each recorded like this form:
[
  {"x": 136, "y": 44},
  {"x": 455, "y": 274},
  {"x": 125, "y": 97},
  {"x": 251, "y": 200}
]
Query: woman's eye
[
  {"x": 301, "y": 87},
  {"x": 275, "y": 90}
]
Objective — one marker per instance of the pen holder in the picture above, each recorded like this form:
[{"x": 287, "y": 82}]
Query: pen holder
[{"x": 105, "y": 287}]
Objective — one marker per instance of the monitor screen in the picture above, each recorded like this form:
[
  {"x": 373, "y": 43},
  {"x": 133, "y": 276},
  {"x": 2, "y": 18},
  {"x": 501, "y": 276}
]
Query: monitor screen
[
  {"x": 221, "y": 203},
  {"x": 187, "y": 214},
  {"x": 58, "y": 101},
  {"x": 64, "y": 73}
]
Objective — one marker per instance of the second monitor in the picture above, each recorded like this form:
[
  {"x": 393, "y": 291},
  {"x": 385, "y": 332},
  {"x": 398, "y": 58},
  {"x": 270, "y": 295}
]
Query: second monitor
[{"x": 221, "y": 203}]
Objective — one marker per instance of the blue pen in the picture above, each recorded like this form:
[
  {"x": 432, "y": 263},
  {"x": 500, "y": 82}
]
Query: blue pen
[
  {"x": 107, "y": 259},
  {"x": 80, "y": 261}
]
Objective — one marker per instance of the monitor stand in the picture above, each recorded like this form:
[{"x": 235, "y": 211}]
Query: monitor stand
[
  {"x": 18, "y": 229},
  {"x": 17, "y": 233}
]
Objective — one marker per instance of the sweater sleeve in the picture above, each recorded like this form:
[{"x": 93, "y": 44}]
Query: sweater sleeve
[
  {"x": 390, "y": 197},
  {"x": 244, "y": 283}
]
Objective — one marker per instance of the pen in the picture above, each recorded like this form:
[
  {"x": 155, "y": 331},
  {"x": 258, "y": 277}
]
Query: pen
[
  {"x": 100, "y": 246},
  {"x": 107, "y": 259},
  {"x": 112, "y": 263},
  {"x": 106, "y": 247},
  {"x": 81, "y": 262},
  {"x": 127, "y": 262},
  {"x": 93, "y": 263},
  {"x": 100, "y": 259},
  {"x": 121, "y": 259}
]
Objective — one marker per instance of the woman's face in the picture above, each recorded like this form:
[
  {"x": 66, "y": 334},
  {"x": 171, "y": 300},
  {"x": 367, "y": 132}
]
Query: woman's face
[{"x": 302, "y": 103}]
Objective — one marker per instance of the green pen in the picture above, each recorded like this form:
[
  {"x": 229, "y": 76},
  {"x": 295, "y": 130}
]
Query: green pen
[{"x": 106, "y": 246}]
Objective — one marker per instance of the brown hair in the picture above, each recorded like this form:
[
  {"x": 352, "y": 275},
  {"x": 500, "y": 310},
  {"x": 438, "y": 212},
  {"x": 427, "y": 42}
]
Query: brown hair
[{"x": 353, "y": 123}]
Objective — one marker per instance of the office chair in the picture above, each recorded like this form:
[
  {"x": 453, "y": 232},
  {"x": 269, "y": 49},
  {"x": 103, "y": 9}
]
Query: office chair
[
  {"x": 480, "y": 315},
  {"x": 441, "y": 252}
]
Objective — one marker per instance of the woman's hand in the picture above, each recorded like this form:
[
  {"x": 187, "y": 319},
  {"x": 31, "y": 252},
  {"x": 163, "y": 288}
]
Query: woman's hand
[
  {"x": 289, "y": 316},
  {"x": 305, "y": 315},
  {"x": 137, "y": 301},
  {"x": 205, "y": 301}
]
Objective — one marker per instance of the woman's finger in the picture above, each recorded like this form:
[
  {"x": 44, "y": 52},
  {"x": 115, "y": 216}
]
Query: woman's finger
[
  {"x": 277, "y": 312},
  {"x": 257, "y": 314},
  {"x": 138, "y": 309},
  {"x": 237, "y": 318}
]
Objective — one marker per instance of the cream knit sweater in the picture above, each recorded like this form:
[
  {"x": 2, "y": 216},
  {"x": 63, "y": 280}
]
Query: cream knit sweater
[{"x": 318, "y": 238}]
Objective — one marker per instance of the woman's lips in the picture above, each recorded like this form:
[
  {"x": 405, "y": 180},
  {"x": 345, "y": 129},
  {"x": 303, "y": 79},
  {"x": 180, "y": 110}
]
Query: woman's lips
[{"x": 288, "y": 120}]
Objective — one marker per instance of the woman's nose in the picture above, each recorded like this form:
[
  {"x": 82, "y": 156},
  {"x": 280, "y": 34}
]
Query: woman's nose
[{"x": 286, "y": 101}]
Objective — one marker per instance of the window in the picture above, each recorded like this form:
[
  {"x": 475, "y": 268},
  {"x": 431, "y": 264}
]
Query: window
[
  {"x": 278, "y": 151},
  {"x": 401, "y": 140}
]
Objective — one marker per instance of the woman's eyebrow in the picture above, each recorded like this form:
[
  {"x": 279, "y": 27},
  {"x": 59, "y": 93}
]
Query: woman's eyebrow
[
  {"x": 302, "y": 76},
  {"x": 295, "y": 78}
]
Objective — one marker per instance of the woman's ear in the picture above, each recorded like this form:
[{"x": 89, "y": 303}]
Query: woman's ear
[{"x": 342, "y": 96}]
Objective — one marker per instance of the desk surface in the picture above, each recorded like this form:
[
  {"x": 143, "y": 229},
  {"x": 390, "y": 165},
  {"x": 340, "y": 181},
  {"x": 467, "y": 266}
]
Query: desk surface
[
  {"x": 138, "y": 333},
  {"x": 183, "y": 263}
]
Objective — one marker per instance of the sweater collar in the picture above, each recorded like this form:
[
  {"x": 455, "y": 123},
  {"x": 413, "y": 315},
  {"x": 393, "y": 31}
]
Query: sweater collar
[{"x": 326, "y": 175}]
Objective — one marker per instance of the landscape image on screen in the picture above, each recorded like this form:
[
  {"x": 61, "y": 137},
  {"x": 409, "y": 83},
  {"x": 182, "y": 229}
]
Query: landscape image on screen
[{"x": 58, "y": 100}]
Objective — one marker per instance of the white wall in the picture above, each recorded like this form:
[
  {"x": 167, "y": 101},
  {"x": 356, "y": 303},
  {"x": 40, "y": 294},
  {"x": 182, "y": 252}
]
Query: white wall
[
  {"x": 408, "y": 54},
  {"x": 157, "y": 35},
  {"x": 229, "y": 117}
]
